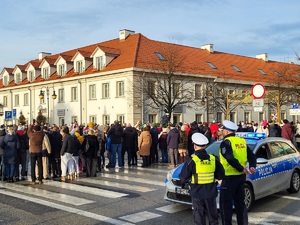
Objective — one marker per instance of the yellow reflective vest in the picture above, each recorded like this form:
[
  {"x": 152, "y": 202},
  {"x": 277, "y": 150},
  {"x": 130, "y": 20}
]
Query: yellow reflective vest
[
  {"x": 239, "y": 149},
  {"x": 205, "y": 170}
]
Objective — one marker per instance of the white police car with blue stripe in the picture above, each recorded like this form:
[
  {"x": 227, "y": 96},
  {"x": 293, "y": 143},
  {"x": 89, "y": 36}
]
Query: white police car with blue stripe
[{"x": 278, "y": 168}]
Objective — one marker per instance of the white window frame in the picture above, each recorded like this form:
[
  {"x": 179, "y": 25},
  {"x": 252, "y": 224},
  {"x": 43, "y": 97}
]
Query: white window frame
[
  {"x": 46, "y": 71},
  {"x": 93, "y": 118},
  {"x": 5, "y": 80},
  {"x": 31, "y": 75},
  {"x": 121, "y": 118},
  {"x": 92, "y": 92},
  {"x": 74, "y": 118},
  {"x": 120, "y": 89},
  {"x": 18, "y": 78},
  {"x": 61, "y": 95},
  {"x": 26, "y": 98},
  {"x": 152, "y": 118},
  {"x": 177, "y": 88},
  {"x": 99, "y": 62},
  {"x": 198, "y": 91},
  {"x": 61, "y": 69},
  {"x": 17, "y": 100},
  {"x": 74, "y": 94},
  {"x": 79, "y": 66},
  {"x": 106, "y": 120},
  {"x": 199, "y": 117},
  {"x": 5, "y": 101},
  {"x": 105, "y": 90}
]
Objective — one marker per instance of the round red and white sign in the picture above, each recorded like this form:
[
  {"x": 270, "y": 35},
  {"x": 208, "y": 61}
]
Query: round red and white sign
[{"x": 258, "y": 90}]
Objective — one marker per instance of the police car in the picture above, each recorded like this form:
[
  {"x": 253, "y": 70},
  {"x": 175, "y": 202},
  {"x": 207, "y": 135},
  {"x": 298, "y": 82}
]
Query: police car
[{"x": 278, "y": 168}]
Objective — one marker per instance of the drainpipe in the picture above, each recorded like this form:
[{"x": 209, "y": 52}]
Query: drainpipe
[{"x": 80, "y": 103}]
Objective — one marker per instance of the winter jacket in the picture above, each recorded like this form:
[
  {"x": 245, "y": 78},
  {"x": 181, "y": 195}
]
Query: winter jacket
[
  {"x": 10, "y": 144},
  {"x": 162, "y": 141},
  {"x": 173, "y": 138},
  {"x": 144, "y": 144},
  {"x": 2, "y": 134},
  {"x": 68, "y": 144},
  {"x": 55, "y": 139},
  {"x": 46, "y": 146},
  {"x": 154, "y": 134},
  {"x": 24, "y": 140},
  {"x": 130, "y": 138},
  {"x": 92, "y": 151},
  {"x": 36, "y": 140},
  {"x": 115, "y": 133},
  {"x": 286, "y": 131},
  {"x": 194, "y": 129},
  {"x": 183, "y": 140},
  {"x": 274, "y": 130}
]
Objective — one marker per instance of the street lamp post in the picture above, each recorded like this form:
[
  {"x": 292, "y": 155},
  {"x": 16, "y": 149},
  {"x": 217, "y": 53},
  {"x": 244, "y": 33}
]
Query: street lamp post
[{"x": 41, "y": 95}]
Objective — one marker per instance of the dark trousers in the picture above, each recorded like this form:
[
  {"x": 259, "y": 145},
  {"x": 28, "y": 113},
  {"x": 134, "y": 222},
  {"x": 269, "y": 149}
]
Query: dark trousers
[
  {"x": 201, "y": 207},
  {"x": 20, "y": 159},
  {"x": 55, "y": 166},
  {"x": 232, "y": 188},
  {"x": 91, "y": 167},
  {"x": 146, "y": 160},
  {"x": 36, "y": 157},
  {"x": 153, "y": 153}
]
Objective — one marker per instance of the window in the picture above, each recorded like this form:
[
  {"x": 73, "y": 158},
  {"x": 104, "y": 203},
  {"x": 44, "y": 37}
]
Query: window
[
  {"x": 61, "y": 121},
  {"x": 99, "y": 63},
  {"x": 262, "y": 72},
  {"x": 199, "y": 118},
  {"x": 31, "y": 76},
  {"x": 152, "y": 118},
  {"x": 93, "y": 118},
  {"x": 61, "y": 70},
  {"x": 73, "y": 119},
  {"x": 288, "y": 149},
  {"x": 276, "y": 149},
  {"x": 120, "y": 89},
  {"x": 74, "y": 96},
  {"x": 105, "y": 90},
  {"x": 92, "y": 91},
  {"x": 198, "y": 91},
  {"x": 282, "y": 114},
  {"x": 160, "y": 56},
  {"x": 232, "y": 116},
  {"x": 17, "y": 103},
  {"x": 151, "y": 88},
  {"x": 61, "y": 95},
  {"x": 18, "y": 78},
  {"x": 79, "y": 67},
  {"x": 212, "y": 65},
  {"x": 26, "y": 99},
  {"x": 219, "y": 116},
  {"x": 260, "y": 116},
  {"x": 5, "y": 101},
  {"x": 45, "y": 73},
  {"x": 247, "y": 118},
  {"x": 121, "y": 118},
  {"x": 236, "y": 69},
  {"x": 176, "y": 90},
  {"x": 106, "y": 120}
]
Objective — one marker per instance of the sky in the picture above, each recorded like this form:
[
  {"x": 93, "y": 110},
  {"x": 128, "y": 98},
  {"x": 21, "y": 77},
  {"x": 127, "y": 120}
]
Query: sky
[{"x": 239, "y": 27}]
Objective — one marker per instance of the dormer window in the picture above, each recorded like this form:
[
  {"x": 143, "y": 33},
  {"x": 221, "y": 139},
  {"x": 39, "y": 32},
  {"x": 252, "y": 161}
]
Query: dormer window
[
  {"x": 99, "y": 62},
  {"x": 160, "y": 56},
  {"x": 18, "y": 78},
  {"x": 79, "y": 66},
  {"x": 61, "y": 70},
  {"x": 31, "y": 76},
  {"x": 45, "y": 73}
]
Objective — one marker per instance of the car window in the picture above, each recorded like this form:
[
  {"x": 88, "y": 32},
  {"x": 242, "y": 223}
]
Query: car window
[
  {"x": 287, "y": 148},
  {"x": 213, "y": 148},
  {"x": 276, "y": 149},
  {"x": 263, "y": 151}
]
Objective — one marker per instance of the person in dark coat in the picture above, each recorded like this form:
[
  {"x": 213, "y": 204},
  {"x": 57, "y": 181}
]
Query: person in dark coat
[
  {"x": 130, "y": 144},
  {"x": 173, "y": 141},
  {"x": 153, "y": 151},
  {"x": 2, "y": 134},
  {"x": 286, "y": 131},
  {"x": 201, "y": 170},
  {"x": 10, "y": 144},
  {"x": 90, "y": 148},
  {"x": 21, "y": 153},
  {"x": 274, "y": 129},
  {"x": 190, "y": 145},
  {"x": 115, "y": 133},
  {"x": 163, "y": 146},
  {"x": 55, "y": 139}
]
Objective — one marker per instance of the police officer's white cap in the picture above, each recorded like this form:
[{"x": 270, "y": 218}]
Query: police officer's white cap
[
  {"x": 228, "y": 125},
  {"x": 199, "y": 139}
]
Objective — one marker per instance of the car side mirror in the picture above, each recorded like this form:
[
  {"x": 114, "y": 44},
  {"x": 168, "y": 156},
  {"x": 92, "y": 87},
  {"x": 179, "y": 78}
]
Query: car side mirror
[{"x": 261, "y": 161}]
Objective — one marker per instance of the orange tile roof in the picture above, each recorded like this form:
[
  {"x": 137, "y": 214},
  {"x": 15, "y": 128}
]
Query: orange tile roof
[{"x": 137, "y": 51}]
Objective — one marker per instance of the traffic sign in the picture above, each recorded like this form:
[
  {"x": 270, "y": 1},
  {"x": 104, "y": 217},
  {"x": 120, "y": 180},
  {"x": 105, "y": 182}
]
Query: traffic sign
[
  {"x": 8, "y": 115},
  {"x": 294, "y": 112},
  {"x": 258, "y": 91},
  {"x": 14, "y": 112},
  {"x": 258, "y": 102},
  {"x": 258, "y": 109}
]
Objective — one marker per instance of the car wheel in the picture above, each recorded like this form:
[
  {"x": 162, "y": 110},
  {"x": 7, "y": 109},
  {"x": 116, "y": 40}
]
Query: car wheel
[
  {"x": 295, "y": 182},
  {"x": 249, "y": 197}
]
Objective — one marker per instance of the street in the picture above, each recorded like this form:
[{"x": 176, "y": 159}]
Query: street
[{"x": 120, "y": 196}]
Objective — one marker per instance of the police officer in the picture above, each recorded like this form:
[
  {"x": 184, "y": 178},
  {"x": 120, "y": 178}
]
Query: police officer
[
  {"x": 201, "y": 170},
  {"x": 234, "y": 154}
]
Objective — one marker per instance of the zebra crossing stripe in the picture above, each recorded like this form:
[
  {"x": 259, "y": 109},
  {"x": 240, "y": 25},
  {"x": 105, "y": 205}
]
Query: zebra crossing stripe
[
  {"x": 118, "y": 185},
  {"x": 133, "y": 179},
  {"x": 66, "y": 208},
  {"x": 140, "y": 216},
  {"x": 88, "y": 190},
  {"x": 49, "y": 195},
  {"x": 173, "y": 208}
]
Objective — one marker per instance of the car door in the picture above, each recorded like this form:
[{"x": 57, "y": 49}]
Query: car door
[{"x": 264, "y": 175}]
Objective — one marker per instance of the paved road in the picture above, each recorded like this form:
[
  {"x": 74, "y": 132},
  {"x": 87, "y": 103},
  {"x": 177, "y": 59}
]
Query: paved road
[{"x": 120, "y": 196}]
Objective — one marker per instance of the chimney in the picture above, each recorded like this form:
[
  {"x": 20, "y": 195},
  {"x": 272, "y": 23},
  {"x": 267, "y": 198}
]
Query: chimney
[
  {"x": 208, "y": 47},
  {"x": 43, "y": 55},
  {"x": 123, "y": 34},
  {"x": 263, "y": 56}
]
